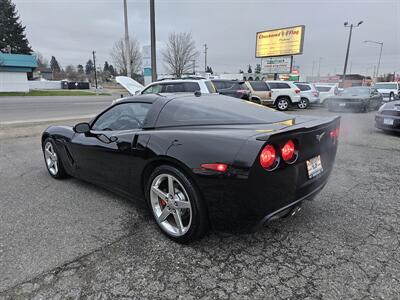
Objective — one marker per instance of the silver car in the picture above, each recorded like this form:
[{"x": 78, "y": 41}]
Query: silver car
[{"x": 308, "y": 93}]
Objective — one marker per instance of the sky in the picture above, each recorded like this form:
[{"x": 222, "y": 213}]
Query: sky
[{"x": 71, "y": 29}]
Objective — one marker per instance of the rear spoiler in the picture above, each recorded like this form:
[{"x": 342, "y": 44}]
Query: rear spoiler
[{"x": 314, "y": 124}]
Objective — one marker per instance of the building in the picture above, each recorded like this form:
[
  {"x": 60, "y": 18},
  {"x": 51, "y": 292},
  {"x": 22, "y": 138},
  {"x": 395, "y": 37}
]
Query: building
[
  {"x": 14, "y": 69},
  {"x": 351, "y": 80},
  {"x": 43, "y": 73}
]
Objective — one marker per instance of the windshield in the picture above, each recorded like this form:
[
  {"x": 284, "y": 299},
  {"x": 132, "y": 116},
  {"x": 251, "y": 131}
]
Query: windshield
[
  {"x": 206, "y": 110},
  {"x": 356, "y": 91},
  {"x": 388, "y": 86}
]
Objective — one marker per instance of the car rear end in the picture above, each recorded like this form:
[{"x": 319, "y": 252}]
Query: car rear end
[
  {"x": 326, "y": 91},
  {"x": 388, "y": 117},
  {"x": 232, "y": 88},
  {"x": 289, "y": 166},
  {"x": 309, "y": 92}
]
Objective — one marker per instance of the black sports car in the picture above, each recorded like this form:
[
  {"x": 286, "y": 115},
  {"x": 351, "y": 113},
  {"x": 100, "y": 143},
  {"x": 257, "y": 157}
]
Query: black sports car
[
  {"x": 199, "y": 160},
  {"x": 388, "y": 117},
  {"x": 360, "y": 99}
]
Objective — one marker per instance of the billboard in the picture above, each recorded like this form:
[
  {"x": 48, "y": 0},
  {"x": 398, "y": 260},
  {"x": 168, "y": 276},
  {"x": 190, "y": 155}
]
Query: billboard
[
  {"x": 278, "y": 65},
  {"x": 280, "y": 42}
]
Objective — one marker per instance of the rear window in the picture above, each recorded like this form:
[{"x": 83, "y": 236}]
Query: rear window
[
  {"x": 230, "y": 85},
  {"x": 303, "y": 87},
  {"x": 219, "y": 84},
  {"x": 259, "y": 85},
  {"x": 323, "y": 88},
  {"x": 278, "y": 85},
  {"x": 215, "y": 109},
  {"x": 210, "y": 86}
]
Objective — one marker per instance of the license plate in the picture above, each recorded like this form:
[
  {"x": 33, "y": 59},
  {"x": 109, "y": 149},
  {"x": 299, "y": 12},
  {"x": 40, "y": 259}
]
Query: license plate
[
  {"x": 314, "y": 166},
  {"x": 342, "y": 104},
  {"x": 387, "y": 121}
]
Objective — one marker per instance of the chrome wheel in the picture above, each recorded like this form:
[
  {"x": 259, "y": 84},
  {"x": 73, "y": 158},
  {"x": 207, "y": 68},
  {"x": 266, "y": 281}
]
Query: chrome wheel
[
  {"x": 51, "y": 158},
  {"x": 283, "y": 104},
  {"x": 303, "y": 103},
  {"x": 171, "y": 205}
]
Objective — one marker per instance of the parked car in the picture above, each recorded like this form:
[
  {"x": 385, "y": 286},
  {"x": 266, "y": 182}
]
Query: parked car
[
  {"x": 261, "y": 90},
  {"x": 389, "y": 90},
  {"x": 232, "y": 88},
  {"x": 284, "y": 94},
  {"x": 360, "y": 98},
  {"x": 388, "y": 116},
  {"x": 308, "y": 93},
  {"x": 326, "y": 91},
  {"x": 198, "y": 161}
]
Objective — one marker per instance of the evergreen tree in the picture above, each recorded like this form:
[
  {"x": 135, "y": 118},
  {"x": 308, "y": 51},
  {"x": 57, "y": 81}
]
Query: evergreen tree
[
  {"x": 54, "y": 65},
  {"x": 12, "y": 33},
  {"x": 106, "y": 67},
  {"x": 249, "y": 70},
  {"x": 89, "y": 68},
  {"x": 258, "y": 69},
  {"x": 211, "y": 71},
  {"x": 80, "y": 69},
  {"x": 112, "y": 70}
]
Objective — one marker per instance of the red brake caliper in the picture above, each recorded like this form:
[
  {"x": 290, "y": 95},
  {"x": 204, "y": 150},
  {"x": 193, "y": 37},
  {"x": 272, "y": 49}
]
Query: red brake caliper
[{"x": 162, "y": 202}]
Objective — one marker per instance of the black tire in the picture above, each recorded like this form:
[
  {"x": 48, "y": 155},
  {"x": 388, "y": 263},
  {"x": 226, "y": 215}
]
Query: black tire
[
  {"x": 60, "y": 173},
  {"x": 304, "y": 103},
  {"x": 255, "y": 100},
  {"x": 282, "y": 103},
  {"x": 199, "y": 223}
]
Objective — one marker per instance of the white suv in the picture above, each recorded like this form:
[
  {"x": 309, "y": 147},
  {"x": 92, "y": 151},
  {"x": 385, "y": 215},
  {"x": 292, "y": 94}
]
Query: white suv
[
  {"x": 389, "y": 90},
  {"x": 284, "y": 93}
]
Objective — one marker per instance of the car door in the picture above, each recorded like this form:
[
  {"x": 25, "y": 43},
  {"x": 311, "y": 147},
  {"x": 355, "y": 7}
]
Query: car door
[{"x": 105, "y": 155}]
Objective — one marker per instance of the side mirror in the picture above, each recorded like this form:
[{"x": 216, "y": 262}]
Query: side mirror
[{"x": 82, "y": 128}]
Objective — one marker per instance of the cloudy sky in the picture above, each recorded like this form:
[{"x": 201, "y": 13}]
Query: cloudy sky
[{"x": 71, "y": 29}]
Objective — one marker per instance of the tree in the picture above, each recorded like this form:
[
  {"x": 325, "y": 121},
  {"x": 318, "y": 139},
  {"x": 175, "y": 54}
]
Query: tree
[
  {"x": 106, "y": 67},
  {"x": 54, "y": 65},
  {"x": 12, "y": 32},
  {"x": 209, "y": 70},
  {"x": 241, "y": 71},
  {"x": 249, "y": 70},
  {"x": 179, "y": 52},
  {"x": 41, "y": 61},
  {"x": 71, "y": 73},
  {"x": 112, "y": 70},
  {"x": 80, "y": 69},
  {"x": 118, "y": 54},
  {"x": 89, "y": 68},
  {"x": 257, "y": 69}
]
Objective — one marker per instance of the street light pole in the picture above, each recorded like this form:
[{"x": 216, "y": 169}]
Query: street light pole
[
  {"x": 153, "y": 41},
  {"x": 351, "y": 26},
  {"x": 94, "y": 64},
  {"x": 127, "y": 46},
  {"x": 380, "y": 55},
  {"x": 205, "y": 57}
]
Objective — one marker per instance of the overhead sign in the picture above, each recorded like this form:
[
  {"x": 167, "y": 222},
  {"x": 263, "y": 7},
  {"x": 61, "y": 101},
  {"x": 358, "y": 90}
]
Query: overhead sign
[
  {"x": 280, "y": 42},
  {"x": 276, "y": 65}
]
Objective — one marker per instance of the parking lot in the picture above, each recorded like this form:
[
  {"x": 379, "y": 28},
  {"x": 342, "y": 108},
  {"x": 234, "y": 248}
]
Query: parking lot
[{"x": 70, "y": 239}]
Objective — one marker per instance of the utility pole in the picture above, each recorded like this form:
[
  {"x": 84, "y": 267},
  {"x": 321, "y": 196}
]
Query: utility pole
[
  {"x": 194, "y": 66},
  {"x": 380, "y": 55},
  {"x": 153, "y": 41},
  {"x": 94, "y": 64},
  {"x": 205, "y": 57},
  {"x": 348, "y": 47},
  {"x": 319, "y": 68},
  {"x": 127, "y": 46}
]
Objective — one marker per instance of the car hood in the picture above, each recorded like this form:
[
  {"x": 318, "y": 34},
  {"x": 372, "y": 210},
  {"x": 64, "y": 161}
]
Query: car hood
[{"x": 132, "y": 86}]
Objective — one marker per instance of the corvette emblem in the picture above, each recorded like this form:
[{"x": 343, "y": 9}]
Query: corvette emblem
[{"x": 320, "y": 136}]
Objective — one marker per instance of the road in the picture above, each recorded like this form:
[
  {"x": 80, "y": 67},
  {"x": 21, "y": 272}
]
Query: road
[
  {"x": 26, "y": 109},
  {"x": 70, "y": 239}
]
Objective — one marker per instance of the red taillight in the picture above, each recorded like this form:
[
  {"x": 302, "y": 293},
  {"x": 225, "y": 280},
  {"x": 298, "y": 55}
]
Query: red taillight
[
  {"x": 268, "y": 157},
  {"x": 297, "y": 91},
  {"x": 270, "y": 94},
  {"x": 288, "y": 151},
  {"x": 216, "y": 167},
  {"x": 334, "y": 133}
]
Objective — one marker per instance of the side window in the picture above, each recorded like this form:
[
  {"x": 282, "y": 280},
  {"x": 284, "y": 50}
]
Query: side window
[
  {"x": 173, "y": 88},
  {"x": 191, "y": 87},
  {"x": 259, "y": 85},
  {"x": 273, "y": 85},
  {"x": 303, "y": 87},
  {"x": 154, "y": 89},
  {"x": 282, "y": 85},
  {"x": 123, "y": 116}
]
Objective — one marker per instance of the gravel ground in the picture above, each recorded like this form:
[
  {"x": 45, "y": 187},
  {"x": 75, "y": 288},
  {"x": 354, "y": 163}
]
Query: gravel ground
[{"x": 69, "y": 239}]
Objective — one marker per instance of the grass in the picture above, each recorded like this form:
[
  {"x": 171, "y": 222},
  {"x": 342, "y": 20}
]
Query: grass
[{"x": 53, "y": 93}]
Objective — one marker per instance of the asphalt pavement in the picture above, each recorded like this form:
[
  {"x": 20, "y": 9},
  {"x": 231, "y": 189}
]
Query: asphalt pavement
[
  {"x": 69, "y": 239},
  {"x": 27, "y": 109}
]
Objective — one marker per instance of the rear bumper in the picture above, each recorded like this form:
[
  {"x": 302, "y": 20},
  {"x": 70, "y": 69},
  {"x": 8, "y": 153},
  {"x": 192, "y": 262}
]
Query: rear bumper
[
  {"x": 379, "y": 122},
  {"x": 340, "y": 106}
]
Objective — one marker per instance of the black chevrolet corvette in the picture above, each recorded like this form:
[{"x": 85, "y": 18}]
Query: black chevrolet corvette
[{"x": 199, "y": 161}]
